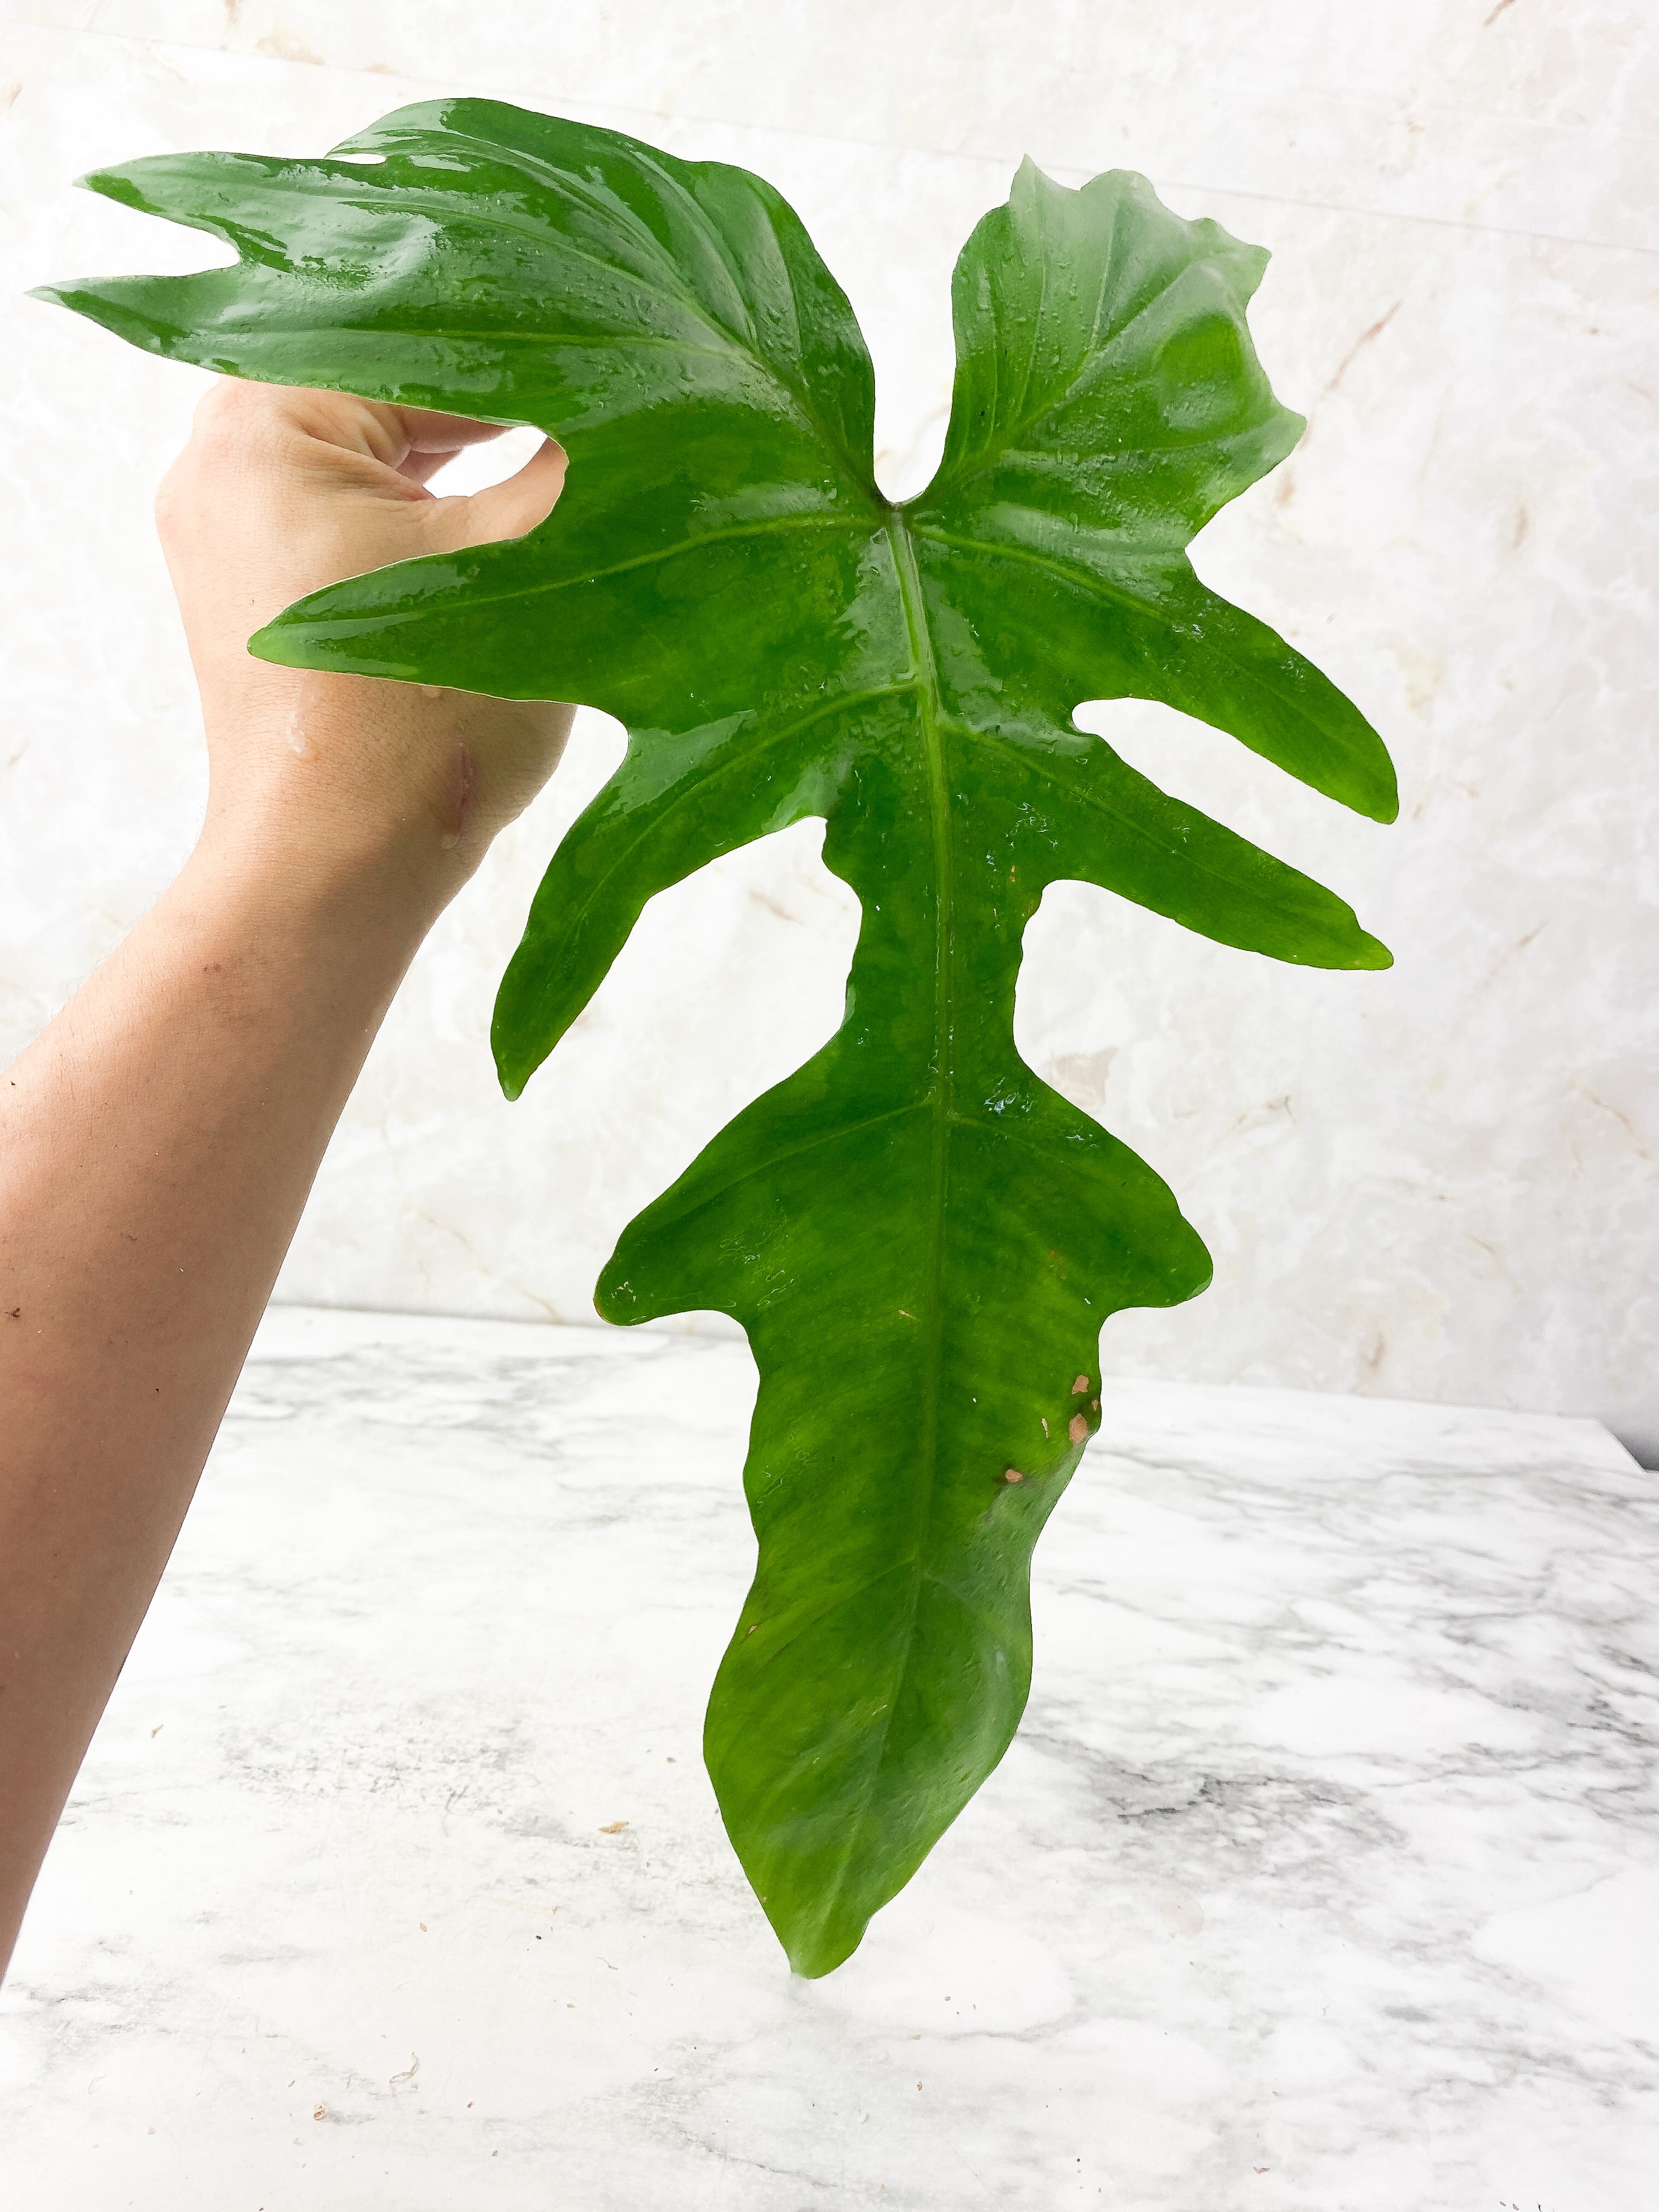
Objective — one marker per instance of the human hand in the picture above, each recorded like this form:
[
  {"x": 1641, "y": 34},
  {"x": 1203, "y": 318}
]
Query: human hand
[{"x": 330, "y": 780}]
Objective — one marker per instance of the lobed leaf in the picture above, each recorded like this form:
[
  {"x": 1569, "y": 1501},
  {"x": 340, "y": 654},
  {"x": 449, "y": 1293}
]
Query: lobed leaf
[{"x": 921, "y": 1240}]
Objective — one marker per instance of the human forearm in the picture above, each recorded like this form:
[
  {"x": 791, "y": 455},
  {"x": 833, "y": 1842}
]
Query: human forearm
[
  {"x": 156, "y": 1147},
  {"x": 157, "y": 1142}
]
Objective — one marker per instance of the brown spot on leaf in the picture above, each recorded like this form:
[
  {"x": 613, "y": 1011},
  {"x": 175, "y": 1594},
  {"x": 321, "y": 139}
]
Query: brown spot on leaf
[
  {"x": 1012, "y": 1475},
  {"x": 1080, "y": 1386},
  {"x": 1078, "y": 1428}
]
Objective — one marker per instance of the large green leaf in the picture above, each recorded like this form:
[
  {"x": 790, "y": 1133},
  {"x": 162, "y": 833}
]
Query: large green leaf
[{"x": 920, "y": 1239}]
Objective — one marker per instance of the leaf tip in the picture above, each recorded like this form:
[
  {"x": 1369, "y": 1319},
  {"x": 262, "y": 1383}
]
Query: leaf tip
[
  {"x": 813, "y": 1954},
  {"x": 512, "y": 1071},
  {"x": 1373, "y": 953},
  {"x": 819, "y": 1928},
  {"x": 276, "y": 642},
  {"x": 114, "y": 184},
  {"x": 614, "y": 1299},
  {"x": 1030, "y": 180}
]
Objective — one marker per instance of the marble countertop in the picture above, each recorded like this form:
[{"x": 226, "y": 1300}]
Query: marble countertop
[{"x": 1324, "y": 1872}]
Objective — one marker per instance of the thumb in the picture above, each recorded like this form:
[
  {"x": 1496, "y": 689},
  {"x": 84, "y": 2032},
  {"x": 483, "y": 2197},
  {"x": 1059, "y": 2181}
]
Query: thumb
[{"x": 510, "y": 509}]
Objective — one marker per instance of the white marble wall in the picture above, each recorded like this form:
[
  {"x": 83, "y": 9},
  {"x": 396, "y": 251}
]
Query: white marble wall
[{"x": 1440, "y": 1183}]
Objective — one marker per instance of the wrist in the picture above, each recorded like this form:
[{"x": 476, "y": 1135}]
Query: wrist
[
  {"x": 340, "y": 795},
  {"x": 352, "y": 789},
  {"x": 390, "y": 880}
]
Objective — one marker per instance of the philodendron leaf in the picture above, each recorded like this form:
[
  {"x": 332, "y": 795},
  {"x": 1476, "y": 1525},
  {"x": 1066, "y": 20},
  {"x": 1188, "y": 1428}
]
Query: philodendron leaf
[{"x": 920, "y": 1239}]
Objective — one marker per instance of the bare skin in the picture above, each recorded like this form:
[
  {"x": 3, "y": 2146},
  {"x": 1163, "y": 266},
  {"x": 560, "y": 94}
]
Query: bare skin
[{"x": 158, "y": 1141}]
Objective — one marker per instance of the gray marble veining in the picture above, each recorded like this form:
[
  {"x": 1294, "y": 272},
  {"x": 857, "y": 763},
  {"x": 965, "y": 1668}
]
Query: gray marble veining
[{"x": 1324, "y": 1873}]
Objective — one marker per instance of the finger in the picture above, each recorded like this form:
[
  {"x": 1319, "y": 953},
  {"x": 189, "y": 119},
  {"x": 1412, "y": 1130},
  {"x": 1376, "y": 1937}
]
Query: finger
[
  {"x": 508, "y": 509},
  {"x": 391, "y": 435},
  {"x": 432, "y": 440},
  {"x": 416, "y": 441},
  {"x": 420, "y": 466},
  {"x": 429, "y": 432},
  {"x": 330, "y": 418},
  {"x": 517, "y": 505}
]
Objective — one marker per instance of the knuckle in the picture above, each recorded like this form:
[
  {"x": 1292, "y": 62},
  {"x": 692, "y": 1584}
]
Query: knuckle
[{"x": 231, "y": 417}]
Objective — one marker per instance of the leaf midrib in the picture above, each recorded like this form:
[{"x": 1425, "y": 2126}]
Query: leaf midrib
[
  {"x": 941, "y": 1099},
  {"x": 930, "y": 719}
]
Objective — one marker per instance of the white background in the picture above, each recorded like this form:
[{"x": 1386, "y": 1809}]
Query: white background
[{"x": 1439, "y": 1182}]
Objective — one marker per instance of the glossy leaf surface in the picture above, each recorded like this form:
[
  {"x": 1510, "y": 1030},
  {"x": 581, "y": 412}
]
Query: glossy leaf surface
[{"x": 921, "y": 1240}]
